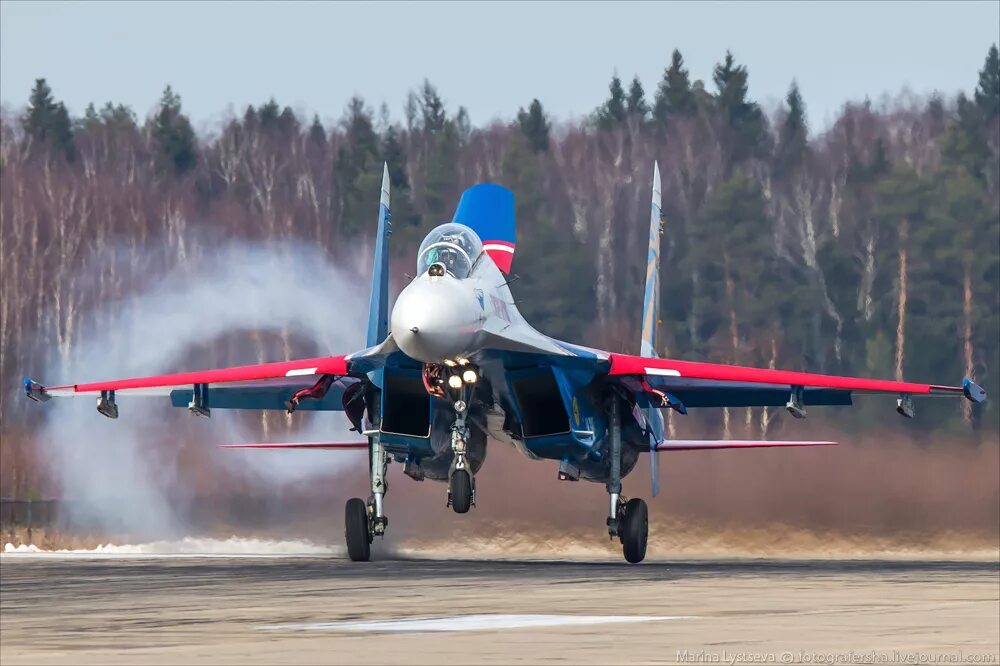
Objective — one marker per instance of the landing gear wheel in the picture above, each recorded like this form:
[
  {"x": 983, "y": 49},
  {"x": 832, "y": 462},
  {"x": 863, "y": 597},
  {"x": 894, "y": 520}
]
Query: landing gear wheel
[
  {"x": 460, "y": 488},
  {"x": 356, "y": 530},
  {"x": 635, "y": 530}
]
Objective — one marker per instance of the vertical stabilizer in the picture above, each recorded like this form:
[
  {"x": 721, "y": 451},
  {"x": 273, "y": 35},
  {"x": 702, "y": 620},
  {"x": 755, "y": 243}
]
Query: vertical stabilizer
[
  {"x": 651, "y": 299},
  {"x": 650, "y": 323},
  {"x": 378, "y": 304},
  {"x": 488, "y": 210}
]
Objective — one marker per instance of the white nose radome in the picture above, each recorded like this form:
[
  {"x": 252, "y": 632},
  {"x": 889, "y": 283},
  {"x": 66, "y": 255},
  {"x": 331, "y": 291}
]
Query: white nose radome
[{"x": 435, "y": 319}]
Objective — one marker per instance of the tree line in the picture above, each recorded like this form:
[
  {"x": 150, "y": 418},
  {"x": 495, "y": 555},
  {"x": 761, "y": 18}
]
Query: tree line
[{"x": 871, "y": 248}]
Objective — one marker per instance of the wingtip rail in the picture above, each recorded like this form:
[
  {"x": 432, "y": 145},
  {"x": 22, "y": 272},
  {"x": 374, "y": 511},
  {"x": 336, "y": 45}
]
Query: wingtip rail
[
  {"x": 35, "y": 391},
  {"x": 973, "y": 391}
]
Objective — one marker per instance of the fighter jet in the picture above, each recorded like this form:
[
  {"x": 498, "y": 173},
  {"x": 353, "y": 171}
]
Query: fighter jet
[{"x": 453, "y": 367}]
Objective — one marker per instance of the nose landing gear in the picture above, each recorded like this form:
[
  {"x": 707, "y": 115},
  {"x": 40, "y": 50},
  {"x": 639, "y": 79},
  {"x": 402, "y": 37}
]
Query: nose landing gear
[
  {"x": 461, "y": 496},
  {"x": 461, "y": 483}
]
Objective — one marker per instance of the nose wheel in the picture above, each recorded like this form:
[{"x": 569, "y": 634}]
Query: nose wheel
[
  {"x": 461, "y": 484},
  {"x": 460, "y": 491}
]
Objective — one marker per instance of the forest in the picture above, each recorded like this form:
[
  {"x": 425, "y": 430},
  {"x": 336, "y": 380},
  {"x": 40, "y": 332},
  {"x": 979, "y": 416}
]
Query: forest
[{"x": 871, "y": 248}]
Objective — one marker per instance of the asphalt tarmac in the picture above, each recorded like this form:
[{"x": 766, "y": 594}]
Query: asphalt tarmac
[{"x": 327, "y": 610}]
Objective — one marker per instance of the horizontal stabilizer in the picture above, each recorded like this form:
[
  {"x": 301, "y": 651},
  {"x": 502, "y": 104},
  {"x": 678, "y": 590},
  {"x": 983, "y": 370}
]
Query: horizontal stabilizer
[
  {"x": 299, "y": 445},
  {"x": 698, "y": 444}
]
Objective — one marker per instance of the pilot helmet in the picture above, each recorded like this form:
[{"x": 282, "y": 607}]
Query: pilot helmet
[{"x": 444, "y": 255}]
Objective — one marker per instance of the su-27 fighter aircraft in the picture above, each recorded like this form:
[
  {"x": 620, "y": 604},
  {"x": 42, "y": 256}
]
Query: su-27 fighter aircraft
[{"x": 456, "y": 365}]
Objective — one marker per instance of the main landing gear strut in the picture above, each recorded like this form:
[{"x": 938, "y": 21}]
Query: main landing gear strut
[
  {"x": 363, "y": 521},
  {"x": 627, "y": 519}
]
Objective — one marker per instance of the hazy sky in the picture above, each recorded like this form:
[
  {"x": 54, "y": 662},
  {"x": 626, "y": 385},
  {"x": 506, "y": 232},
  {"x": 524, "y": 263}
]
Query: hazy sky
[{"x": 491, "y": 58}]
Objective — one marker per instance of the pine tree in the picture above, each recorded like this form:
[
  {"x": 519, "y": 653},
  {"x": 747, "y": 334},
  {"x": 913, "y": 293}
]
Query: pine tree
[
  {"x": 268, "y": 113},
  {"x": 47, "y": 121},
  {"x": 173, "y": 133},
  {"x": 405, "y": 221},
  {"x": 535, "y": 126},
  {"x": 792, "y": 136},
  {"x": 463, "y": 126},
  {"x": 287, "y": 123},
  {"x": 636, "y": 102},
  {"x": 556, "y": 287},
  {"x": 613, "y": 111},
  {"x": 395, "y": 158},
  {"x": 742, "y": 287},
  {"x": 440, "y": 187},
  {"x": 62, "y": 131},
  {"x": 118, "y": 115},
  {"x": 38, "y": 119},
  {"x": 988, "y": 91},
  {"x": 731, "y": 82},
  {"x": 745, "y": 119},
  {"x": 358, "y": 168},
  {"x": 965, "y": 140},
  {"x": 317, "y": 133},
  {"x": 432, "y": 112},
  {"x": 250, "y": 119},
  {"x": 91, "y": 119},
  {"x": 673, "y": 96}
]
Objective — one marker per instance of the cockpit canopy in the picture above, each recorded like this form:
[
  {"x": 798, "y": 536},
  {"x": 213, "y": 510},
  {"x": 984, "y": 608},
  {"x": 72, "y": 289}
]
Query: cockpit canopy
[{"x": 456, "y": 246}]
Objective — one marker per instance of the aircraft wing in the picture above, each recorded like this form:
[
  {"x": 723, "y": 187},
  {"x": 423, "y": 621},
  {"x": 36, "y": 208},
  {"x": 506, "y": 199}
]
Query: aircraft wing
[
  {"x": 312, "y": 383},
  {"x": 693, "y": 384}
]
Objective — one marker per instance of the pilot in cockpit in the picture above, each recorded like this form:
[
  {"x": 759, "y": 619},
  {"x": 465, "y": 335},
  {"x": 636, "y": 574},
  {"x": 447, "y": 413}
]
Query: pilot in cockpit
[{"x": 454, "y": 246}]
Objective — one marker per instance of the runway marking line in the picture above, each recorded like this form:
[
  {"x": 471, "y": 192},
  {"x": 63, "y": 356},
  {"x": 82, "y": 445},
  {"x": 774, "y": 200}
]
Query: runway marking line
[{"x": 483, "y": 622}]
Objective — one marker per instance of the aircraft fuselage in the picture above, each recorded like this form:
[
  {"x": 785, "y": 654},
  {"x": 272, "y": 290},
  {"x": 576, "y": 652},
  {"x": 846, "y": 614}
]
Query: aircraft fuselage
[{"x": 553, "y": 411}]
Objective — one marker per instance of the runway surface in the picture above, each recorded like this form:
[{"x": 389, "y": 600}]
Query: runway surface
[{"x": 327, "y": 610}]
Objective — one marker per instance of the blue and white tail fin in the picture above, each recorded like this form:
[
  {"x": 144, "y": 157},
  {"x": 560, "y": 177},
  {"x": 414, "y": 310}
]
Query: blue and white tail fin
[
  {"x": 650, "y": 323},
  {"x": 651, "y": 298},
  {"x": 378, "y": 304},
  {"x": 488, "y": 209}
]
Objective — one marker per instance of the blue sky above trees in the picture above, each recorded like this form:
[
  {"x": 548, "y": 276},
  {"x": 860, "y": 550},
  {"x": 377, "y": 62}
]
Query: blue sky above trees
[{"x": 491, "y": 58}]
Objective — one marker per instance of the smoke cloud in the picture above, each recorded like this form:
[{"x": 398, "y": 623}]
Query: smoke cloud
[{"x": 239, "y": 304}]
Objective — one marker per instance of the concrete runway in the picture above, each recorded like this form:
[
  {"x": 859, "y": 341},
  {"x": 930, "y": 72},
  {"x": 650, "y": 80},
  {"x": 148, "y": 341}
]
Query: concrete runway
[{"x": 287, "y": 610}]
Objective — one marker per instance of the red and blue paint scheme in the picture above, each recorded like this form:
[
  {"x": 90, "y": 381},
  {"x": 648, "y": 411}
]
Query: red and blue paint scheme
[
  {"x": 488, "y": 210},
  {"x": 453, "y": 365}
]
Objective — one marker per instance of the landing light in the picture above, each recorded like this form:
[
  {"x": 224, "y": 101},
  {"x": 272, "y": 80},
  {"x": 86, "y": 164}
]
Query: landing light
[
  {"x": 450, "y": 363},
  {"x": 462, "y": 361},
  {"x": 455, "y": 382},
  {"x": 469, "y": 376}
]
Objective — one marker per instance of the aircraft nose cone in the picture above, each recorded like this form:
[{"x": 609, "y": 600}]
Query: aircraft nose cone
[{"x": 434, "y": 320}]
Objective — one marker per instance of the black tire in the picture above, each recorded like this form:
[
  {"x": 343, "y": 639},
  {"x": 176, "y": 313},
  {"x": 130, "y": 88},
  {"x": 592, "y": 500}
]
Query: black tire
[
  {"x": 356, "y": 530},
  {"x": 635, "y": 530},
  {"x": 461, "y": 491}
]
